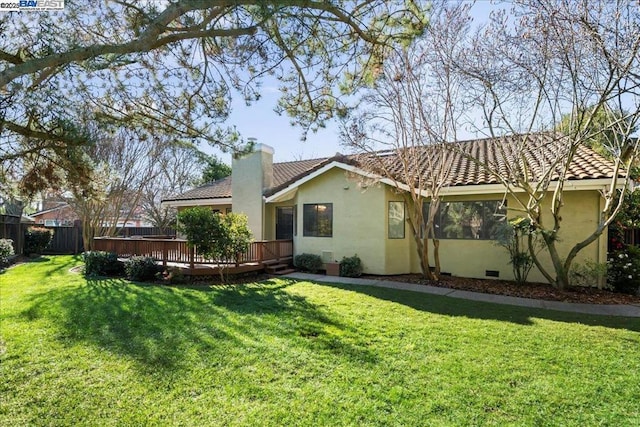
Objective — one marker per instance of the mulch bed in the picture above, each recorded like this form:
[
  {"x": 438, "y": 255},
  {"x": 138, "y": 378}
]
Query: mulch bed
[{"x": 539, "y": 291}]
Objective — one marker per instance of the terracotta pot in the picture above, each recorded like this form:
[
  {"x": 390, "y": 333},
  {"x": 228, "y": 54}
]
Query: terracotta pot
[{"x": 332, "y": 268}]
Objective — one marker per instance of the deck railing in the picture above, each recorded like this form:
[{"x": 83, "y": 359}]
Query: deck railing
[{"x": 177, "y": 250}]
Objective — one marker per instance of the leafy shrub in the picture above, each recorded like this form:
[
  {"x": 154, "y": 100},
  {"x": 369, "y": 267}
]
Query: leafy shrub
[
  {"x": 216, "y": 236},
  {"x": 351, "y": 266},
  {"x": 99, "y": 263},
  {"x": 587, "y": 274},
  {"x": 513, "y": 235},
  {"x": 200, "y": 224},
  {"x": 36, "y": 239},
  {"x": 237, "y": 236},
  {"x": 174, "y": 276},
  {"x": 623, "y": 270},
  {"x": 308, "y": 262},
  {"x": 141, "y": 268},
  {"x": 6, "y": 250}
]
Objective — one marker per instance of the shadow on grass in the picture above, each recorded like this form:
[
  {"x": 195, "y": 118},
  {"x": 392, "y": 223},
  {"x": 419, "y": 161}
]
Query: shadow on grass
[
  {"x": 58, "y": 266},
  {"x": 487, "y": 311},
  {"x": 35, "y": 260},
  {"x": 276, "y": 312},
  {"x": 42, "y": 260},
  {"x": 162, "y": 327},
  {"x": 148, "y": 324}
]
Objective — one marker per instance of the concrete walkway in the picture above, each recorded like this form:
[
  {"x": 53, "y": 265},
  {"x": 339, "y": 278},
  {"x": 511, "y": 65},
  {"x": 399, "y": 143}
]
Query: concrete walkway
[{"x": 600, "y": 309}]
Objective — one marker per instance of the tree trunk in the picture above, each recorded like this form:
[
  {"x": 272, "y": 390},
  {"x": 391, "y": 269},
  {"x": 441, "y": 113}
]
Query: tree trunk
[
  {"x": 436, "y": 258},
  {"x": 424, "y": 260},
  {"x": 422, "y": 247},
  {"x": 561, "y": 280},
  {"x": 87, "y": 235},
  {"x": 536, "y": 262}
]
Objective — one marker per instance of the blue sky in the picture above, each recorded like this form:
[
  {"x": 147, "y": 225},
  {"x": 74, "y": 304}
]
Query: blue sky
[{"x": 261, "y": 122}]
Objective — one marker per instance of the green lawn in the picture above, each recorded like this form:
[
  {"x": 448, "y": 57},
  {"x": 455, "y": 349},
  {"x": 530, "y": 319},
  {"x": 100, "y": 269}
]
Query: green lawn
[{"x": 110, "y": 352}]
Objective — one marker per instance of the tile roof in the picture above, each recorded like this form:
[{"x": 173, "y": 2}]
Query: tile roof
[
  {"x": 217, "y": 189},
  {"x": 509, "y": 154},
  {"x": 283, "y": 173},
  {"x": 505, "y": 154},
  {"x": 287, "y": 172}
]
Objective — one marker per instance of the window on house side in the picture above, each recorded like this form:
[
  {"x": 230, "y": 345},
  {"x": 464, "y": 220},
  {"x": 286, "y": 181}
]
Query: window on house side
[
  {"x": 317, "y": 220},
  {"x": 396, "y": 220},
  {"x": 468, "y": 220}
]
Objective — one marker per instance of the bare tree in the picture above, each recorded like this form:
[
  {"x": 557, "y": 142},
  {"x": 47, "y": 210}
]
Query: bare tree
[
  {"x": 545, "y": 61},
  {"x": 177, "y": 168},
  {"x": 122, "y": 167},
  {"x": 406, "y": 119}
]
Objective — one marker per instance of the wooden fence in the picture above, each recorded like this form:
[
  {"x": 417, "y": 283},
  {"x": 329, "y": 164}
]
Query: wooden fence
[
  {"x": 177, "y": 251},
  {"x": 145, "y": 231},
  {"x": 11, "y": 228},
  {"x": 68, "y": 240}
]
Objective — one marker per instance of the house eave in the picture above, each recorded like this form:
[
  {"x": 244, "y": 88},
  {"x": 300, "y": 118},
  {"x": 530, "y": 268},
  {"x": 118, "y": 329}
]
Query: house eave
[
  {"x": 196, "y": 202},
  {"x": 282, "y": 196},
  {"x": 289, "y": 191},
  {"x": 570, "y": 185}
]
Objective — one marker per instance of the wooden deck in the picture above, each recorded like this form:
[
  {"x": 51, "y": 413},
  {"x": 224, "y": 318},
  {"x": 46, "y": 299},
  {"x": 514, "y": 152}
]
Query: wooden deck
[{"x": 176, "y": 253}]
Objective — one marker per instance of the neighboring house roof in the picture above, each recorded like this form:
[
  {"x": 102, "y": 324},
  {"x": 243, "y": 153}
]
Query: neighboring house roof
[
  {"x": 25, "y": 219},
  {"x": 45, "y": 211},
  {"x": 506, "y": 154}
]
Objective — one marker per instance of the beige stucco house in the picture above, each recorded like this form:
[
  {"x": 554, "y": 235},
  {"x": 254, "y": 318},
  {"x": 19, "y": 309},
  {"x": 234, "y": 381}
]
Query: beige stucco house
[{"x": 326, "y": 207}]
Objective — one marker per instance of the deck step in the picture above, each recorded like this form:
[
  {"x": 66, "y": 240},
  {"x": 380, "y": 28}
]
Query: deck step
[
  {"x": 275, "y": 267},
  {"x": 285, "y": 260},
  {"x": 278, "y": 269},
  {"x": 282, "y": 272}
]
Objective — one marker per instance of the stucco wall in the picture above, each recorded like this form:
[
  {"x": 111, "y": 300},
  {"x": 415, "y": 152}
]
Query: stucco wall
[
  {"x": 580, "y": 215},
  {"x": 359, "y": 225},
  {"x": 269, "y": 228},
  {"x": 471, "y": 258}
]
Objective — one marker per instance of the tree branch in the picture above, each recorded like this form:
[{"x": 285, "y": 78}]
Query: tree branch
[{"x": 151, "y": 38}]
